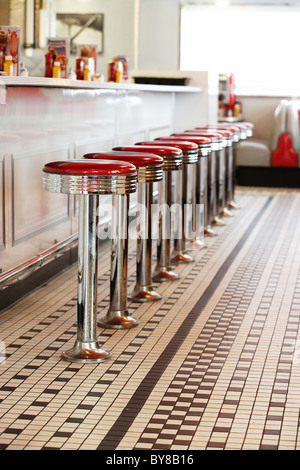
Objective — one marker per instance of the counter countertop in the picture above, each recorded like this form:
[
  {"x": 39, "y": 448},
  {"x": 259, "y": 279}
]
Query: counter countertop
[{"x": 85, "y": 85}]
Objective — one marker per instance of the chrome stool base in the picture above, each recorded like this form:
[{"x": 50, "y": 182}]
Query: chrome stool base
[
  {"x": 209, "y": 231},
  {"x": 233, "y": 205},
  {"x": 182, "y": 257},
  {"x": 197, "y": 243},
  {"x": 118, "y": 320},
  {"x": 86, "y": 352},
  {"x": 217, "y": 221},
  {"x": 165, "y": 274},
  {"x": 144, "y": 294},
  {"x": 226, "y": 212}
]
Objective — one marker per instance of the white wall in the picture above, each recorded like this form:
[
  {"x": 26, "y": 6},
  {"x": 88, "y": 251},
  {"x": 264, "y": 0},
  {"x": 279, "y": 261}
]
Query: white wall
[
  {"x": 159, "y": 34},
  {"x": 146, "y": 31},
  {"x": 119, "y": 32}
]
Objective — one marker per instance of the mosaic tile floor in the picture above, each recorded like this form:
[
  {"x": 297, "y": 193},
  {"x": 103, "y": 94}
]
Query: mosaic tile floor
[{"x": 215, "y": 365}]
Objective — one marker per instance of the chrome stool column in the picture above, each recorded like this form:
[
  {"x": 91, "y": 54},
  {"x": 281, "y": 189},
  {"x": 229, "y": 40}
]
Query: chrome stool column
[
  {"x": 149, "y": 169},
  {"x": 88, "y": 179},
  {"x": 224, "y": 202},
  {"x": 172, "y": 162},
  {"x": 196, "y": 240}
]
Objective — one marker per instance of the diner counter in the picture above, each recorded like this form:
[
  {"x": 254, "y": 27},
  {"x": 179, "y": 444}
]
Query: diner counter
[
  {"x": 44, "y": 119},
  {"x": 93, "y": 85}
]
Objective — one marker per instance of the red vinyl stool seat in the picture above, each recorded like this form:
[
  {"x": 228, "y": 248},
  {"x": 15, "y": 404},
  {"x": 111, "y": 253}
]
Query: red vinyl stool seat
[
  {"x": 88, "y": 179},
  {"x": 172, "y": 158},
  {"x": 149, "y": 170},
  {"x": 284, "y": 155}
]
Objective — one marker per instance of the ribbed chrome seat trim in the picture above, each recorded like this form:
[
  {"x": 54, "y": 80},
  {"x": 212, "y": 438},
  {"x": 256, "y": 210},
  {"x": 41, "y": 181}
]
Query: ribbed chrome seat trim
[
  {"x": 172, "y": 162},
  {"x": 150, "y": 173},
  {"x": 78, "y": 184},
  {"x": 190, "y": 157},
  {"x": 205, "y": 150}
]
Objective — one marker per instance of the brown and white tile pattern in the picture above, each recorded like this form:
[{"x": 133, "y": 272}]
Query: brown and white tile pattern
[{"x": 214, "y": 366}]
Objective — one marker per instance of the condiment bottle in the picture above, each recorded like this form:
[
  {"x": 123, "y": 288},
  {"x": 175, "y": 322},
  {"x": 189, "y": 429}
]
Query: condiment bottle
[
  {"x": 56, "y": 71},
  {"x": 8, "y": 66},
  {"x": 86, "y": 73},
  {"x": 79, "y": 68},
  {"x": 119, "y": 72}
]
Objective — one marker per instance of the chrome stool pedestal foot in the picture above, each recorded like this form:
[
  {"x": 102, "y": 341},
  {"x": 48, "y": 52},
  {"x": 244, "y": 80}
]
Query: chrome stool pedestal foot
[
  {"x": 197, "y": 243},
  {"x": 209, "y": 231},
  {"x": 144, "y": 294},
  {"x": 182, "y": 257},
  {"x": 218, "y": 221},
  {"x": 118, "y": 320},
  {"x": 165, "y": 274},
  {"x": 233, "y": 205},
  {"x": 86, "y": 352},
  {"x": 226, "y": 213}
]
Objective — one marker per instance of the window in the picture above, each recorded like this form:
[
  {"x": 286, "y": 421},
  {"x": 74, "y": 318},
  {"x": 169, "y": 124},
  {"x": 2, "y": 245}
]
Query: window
[{"x": 258, "y": 44}]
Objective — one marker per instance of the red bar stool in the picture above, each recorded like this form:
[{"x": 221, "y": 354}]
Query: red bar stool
[
  {"x": 88, "y": 179},
  {"x": 149, "y": 170},
  {"x": 117, "y": 317},
  {"x": 215, "y": 171},
  {"x": 216, "y": 146},
  {"x": 237, "y": 136},
  {"x": 172, "y": 162},
  {"x": 230, "y": 166},
  {"x": 202, "y": 208},
  {"x": 185, "y": 193}
]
